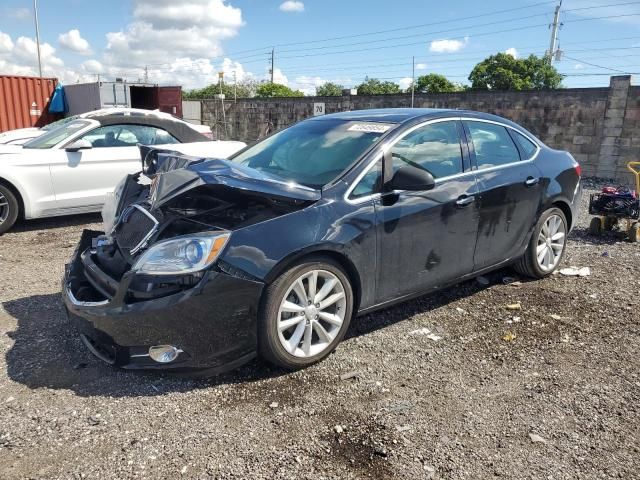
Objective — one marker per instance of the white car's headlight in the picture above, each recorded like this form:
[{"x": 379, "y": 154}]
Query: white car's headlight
[{"x": 185, "y": 254}]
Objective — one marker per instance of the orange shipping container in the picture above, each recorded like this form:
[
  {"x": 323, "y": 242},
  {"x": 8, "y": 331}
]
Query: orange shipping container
[{"x": 24, "y": 101}]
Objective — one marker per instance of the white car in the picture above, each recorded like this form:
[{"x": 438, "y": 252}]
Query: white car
[
  {"x": 20, "y": 136},
  {"x": 70, "y": 169}
]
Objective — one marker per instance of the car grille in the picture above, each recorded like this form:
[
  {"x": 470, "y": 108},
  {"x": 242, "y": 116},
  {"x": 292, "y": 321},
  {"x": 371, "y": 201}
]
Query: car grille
[{"x": 135, "y": 228}]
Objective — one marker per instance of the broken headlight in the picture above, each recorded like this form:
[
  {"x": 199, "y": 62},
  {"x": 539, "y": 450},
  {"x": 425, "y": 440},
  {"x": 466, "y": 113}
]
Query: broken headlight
[{"x": 184, "y": 254}]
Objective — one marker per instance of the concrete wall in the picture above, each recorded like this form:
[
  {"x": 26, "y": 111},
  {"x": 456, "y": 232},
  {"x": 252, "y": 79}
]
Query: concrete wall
[{"x": 599, "y": 126}]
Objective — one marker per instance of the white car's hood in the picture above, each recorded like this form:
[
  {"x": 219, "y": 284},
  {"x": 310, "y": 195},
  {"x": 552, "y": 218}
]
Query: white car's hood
[{"x": 4, "y": 149}]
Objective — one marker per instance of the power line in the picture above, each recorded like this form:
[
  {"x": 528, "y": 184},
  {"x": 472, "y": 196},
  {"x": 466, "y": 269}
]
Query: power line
[
  {"x": 597, "y": 66},
  {"x": 409, "y": 27}
]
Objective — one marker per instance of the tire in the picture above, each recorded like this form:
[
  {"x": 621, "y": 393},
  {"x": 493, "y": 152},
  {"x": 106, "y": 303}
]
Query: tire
[
  {"x": 552, "y": 245},
  {"x": 595, "y": 227},
  {"x": 9, "y": 209},
  {"x": 278, "y": 329},
  {"x": 634, "y": 232}
]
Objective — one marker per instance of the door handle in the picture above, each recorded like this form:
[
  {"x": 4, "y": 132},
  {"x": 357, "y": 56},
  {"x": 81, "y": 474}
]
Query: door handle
[
  {"x": 531, "y": 181},
  {"x": 465, "y": 200}
]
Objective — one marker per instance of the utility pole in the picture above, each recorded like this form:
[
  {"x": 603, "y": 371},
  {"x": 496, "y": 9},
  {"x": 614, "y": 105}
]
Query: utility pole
[
  {"x": 235, "y": 87},
  {"x": 554, "y": 34},
  {"x": 35, "y": 13},
  {"x": 413, "y": 78},
  {"x": 146, "y": 74},
  {"x": 273, "y": 54}
]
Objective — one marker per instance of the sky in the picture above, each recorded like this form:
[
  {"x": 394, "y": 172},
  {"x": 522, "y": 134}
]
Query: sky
[{"x": 187, "y": 42}]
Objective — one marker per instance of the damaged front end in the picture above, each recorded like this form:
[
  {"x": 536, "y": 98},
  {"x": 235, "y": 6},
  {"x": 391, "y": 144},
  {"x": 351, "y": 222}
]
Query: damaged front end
[{"x": 152, "y": 281}]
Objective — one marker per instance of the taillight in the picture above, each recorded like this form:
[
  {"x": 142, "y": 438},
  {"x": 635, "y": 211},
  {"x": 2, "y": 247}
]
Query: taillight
[{"x": 578, "y": 169}]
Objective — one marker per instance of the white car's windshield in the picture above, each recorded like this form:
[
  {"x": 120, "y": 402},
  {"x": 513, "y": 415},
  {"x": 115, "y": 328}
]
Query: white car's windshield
[
  {"x": 313, "y": 152},
  {"x": 59, "y": 123},
  {"x": 57, "y": 135}
]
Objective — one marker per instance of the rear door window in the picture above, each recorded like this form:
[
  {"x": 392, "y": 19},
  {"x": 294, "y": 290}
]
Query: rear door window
[{"x": 492, "y": 144}]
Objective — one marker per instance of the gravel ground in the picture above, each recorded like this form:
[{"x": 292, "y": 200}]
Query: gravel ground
[{"x": 548, "y": 391}]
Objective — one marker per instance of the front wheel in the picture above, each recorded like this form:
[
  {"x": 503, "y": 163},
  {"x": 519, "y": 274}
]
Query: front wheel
[
  {"x": 546, "y": 247},
  {"x": 305, "y": 314},
  {"x": 9, "y": 209}
]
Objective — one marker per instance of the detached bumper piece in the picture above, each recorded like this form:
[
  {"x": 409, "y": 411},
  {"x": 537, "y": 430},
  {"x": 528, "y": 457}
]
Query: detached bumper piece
[{"x": 205, "y": 321}]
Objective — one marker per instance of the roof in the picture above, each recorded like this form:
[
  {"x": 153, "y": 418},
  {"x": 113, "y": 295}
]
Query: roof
[
  {"x": 405, "y": 115},
  {"x": 179, "y": 129}
]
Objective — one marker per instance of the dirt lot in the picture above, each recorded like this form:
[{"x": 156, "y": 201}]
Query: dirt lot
[{"x": 548, "y": 391}]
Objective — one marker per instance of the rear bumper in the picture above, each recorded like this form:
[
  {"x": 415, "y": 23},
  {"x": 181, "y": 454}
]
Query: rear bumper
[{"x": 213, "y": 323}]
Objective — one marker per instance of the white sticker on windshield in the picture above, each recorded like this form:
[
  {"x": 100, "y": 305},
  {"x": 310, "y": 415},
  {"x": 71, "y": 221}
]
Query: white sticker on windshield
[{"x": 369, "y": 128}]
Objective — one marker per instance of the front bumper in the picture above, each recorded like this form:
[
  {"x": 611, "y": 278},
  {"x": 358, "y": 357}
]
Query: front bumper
[{"x": 213, "y": 323}]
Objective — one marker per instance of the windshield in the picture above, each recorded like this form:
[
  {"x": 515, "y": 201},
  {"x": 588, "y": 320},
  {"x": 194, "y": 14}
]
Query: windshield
[
  {"x": 57, "y": 135},
  {"x": 314, "y": 152},
  {"x": 59, "y": 123}
]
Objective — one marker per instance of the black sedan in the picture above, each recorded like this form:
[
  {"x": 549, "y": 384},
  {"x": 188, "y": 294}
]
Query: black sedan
[{"x": 272, "y": 252}]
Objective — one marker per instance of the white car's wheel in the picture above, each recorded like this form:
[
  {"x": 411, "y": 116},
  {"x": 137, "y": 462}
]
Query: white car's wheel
[{"x": 9, "y": 208}]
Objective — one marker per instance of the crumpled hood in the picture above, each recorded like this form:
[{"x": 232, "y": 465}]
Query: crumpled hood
[{"x": 183, "y": 173}]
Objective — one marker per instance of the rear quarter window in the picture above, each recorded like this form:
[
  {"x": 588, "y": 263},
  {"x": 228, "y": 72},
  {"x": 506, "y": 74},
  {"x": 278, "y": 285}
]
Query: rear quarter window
[{"x": 527, "y": 146}]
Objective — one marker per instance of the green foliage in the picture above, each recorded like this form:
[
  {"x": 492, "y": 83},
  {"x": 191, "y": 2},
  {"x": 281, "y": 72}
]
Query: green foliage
[
  {"x": 245, "y": 89},
  {"x": 435, "y": 83},
  {"x": 373, "y": 86},
  {"x": 329, "y": 89},
  {"x": 269, "y": 90},
  {"x": 504, "y": 72}
]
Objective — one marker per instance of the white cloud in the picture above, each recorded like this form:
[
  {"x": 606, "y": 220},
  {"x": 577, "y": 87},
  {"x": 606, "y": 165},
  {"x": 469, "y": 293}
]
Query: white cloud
[
  {"x": 448, "y": 46},
  {"x": 93, "y": 67},
  {"x": 512, "y": 51},
  {"x": 405, "y": 82},
  {"x": 578, "y": 66},
  {"x": 307, "y": 84},
  {"x": 292, "y": 6},
  {"x": 72, "y": 40},
  {"x": 20, "y": 57},
  {"x": 279, "y": 77},
  {"x": 421, "y": 66},
  {"x": 207, "y": 14}
]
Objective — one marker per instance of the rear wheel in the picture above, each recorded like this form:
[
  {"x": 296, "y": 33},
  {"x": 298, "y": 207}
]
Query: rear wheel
[
  {"x": 546, "y": 247},
  {"x": 9, "y": 209},
  {"x": 305, "y": 314},
  {"x": 595, "y": 227}
]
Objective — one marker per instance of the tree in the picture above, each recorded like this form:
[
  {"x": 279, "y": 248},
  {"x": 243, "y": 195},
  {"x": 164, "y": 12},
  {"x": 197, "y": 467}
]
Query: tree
[
  {"x": 373, "y": 86},
  {"x": 269, "y": 90},
  {"x": 435, "y": 83},
  {"x": 244, "y": 89},
  {"x": 505, "y": 72},
  {"x": 329, "y": 89}
]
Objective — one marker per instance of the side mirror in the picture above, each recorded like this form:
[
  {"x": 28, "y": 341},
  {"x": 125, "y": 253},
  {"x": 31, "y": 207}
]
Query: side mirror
[
  {"x": 412, "y": 179},
  {"x": 79, "y": 145}
]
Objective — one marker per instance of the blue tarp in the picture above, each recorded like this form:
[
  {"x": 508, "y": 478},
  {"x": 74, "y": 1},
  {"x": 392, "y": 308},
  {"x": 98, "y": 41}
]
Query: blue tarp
[{"x": 58, "y": 101}]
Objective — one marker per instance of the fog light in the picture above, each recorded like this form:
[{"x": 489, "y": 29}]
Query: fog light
[{"x": 164, "y": 353}]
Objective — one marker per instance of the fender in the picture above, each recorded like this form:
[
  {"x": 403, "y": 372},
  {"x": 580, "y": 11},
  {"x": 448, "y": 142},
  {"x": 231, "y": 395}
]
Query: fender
[{"x": 25, "y": 199}]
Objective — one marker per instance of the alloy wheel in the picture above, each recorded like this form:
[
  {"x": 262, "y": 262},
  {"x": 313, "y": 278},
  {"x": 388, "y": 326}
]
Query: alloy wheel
[
  {"x": 311, "y": 313},
  {"x": 4, "y": 208},
  {"x": 551, "y": 241}
]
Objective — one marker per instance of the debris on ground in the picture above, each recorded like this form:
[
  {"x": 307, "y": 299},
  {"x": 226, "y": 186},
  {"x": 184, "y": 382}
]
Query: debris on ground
[
  {"x": 338, "y": 429},
  {"x": 535, "y": 438},
  {"x": 514, "y": 306},
  {"x": 273, "y": 405},
  {"x": 349, "y": 375},
  {"x": 575, "y": 271},
  {"x": 428, "y": 333},
  {"x": 509, "y": 337}
]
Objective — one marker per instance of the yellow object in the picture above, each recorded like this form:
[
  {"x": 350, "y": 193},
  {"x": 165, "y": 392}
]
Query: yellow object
[{"x": 635, "y": 168}]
